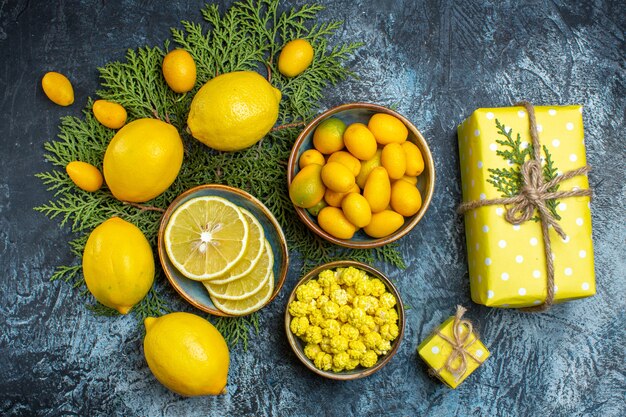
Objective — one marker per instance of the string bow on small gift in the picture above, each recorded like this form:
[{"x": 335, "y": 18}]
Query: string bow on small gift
[
  {"x": 534, "y": 195},
  {"x": 460, "y": 343}
]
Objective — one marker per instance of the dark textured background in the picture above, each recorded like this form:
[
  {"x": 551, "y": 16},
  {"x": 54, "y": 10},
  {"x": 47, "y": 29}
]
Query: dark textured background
[{"x": 438, "y": 61}]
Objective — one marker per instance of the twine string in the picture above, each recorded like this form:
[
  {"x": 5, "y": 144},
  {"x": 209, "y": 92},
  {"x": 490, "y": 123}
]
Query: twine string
[
  {"x": 460, "y": 343},
  {"x": 534, "y": 195}
]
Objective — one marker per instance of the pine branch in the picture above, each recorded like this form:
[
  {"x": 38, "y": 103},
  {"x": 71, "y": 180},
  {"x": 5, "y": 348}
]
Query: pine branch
[{"x": 247, "y": 36}]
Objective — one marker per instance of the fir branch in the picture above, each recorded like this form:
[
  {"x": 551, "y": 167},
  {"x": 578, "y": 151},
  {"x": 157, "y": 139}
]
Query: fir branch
[
  {"x": 508, "y": 181},
  {"x": 237, "y": 329},
  {"x": 246, "y": 37}
]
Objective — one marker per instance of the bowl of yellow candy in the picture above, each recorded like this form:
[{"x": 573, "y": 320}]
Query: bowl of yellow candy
[
  {"x": 344, "y": 320},
  {"x": 361, "y": 175}
]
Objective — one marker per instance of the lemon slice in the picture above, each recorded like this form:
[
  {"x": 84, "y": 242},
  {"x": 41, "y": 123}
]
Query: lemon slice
[
  {"x": 205, "y": 237},
  {"x": 247, "y": 305},
  {"x": 248, "y": 284},
  {"x": 256, "y": 246}
]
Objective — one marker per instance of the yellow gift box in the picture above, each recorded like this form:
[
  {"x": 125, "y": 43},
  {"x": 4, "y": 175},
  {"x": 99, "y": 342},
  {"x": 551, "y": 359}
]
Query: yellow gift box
[
  {"x": 438, "y": 351},
  {"x": 507, "y": 263}
]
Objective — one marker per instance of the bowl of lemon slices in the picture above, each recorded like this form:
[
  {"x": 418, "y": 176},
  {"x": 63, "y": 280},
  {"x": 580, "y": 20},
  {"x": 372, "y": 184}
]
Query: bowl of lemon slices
[{"x": 222, "y": 250}]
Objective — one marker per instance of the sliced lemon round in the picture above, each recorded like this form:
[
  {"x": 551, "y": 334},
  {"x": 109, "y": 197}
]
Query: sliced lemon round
[
  {"x": 252, "y": 255},
  {"x": 248, "y": 284},
  {"x": 205, "y": 237},
  {"x": 247, "y": 305}
]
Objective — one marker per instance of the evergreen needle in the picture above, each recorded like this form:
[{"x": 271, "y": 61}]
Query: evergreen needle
[{"x": 247, "y": 36}]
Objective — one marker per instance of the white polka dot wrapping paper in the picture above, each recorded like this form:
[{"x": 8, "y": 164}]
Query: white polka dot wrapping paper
[
  {"x": 507, "y": 265},
  {"x": 435, "y": 351}
]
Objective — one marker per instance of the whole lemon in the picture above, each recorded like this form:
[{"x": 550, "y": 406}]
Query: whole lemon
[
  {"x": 186, "y": 354},
  {"x": 58, "y": 88},
  {"x": 233, "y": 111},
  {"x": 384, "y": 223},
  {"x": 295, "y": 57},
  {"x": 118, "y": 264},
  {"x": 179, "y": 70},
  {"x": 142, "y": 160},
  {"x": 377, "y": 190}
]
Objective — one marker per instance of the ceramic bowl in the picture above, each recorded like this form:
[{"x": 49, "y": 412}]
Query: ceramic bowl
[
  {"x": 361, "y": 112},
  {"x": 359, "y": 372},
  {"x": 193, "y": 291}
]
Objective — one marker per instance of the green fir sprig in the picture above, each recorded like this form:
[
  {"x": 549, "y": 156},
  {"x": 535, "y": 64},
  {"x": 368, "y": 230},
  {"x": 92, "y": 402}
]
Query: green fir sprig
[
  {"x": 248, "y": 36},
  {"x": 509, "y": 180}
]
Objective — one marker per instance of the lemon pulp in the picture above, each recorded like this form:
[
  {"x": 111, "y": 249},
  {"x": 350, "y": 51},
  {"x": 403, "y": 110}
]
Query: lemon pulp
[
  {"x": 205, "y": 237},
  {"x": 249, "y": 284}
]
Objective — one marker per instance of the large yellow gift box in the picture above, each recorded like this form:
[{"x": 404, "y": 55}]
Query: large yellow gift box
[
  {"x": 507, "y": 263},
  {"x": 453, "y": 351}
]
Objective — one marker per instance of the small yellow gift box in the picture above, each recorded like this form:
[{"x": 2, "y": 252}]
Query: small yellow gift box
[
  {"x": 453, "y": 351},
  {"x": 507, "y": 262}
]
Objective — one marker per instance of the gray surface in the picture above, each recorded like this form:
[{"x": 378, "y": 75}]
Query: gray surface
[{"x": 438, "y": 61}]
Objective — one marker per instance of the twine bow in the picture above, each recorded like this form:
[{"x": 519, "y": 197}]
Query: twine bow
[
  {"x": 533, "y": 196},
  {"x": 460, "y": 344}
]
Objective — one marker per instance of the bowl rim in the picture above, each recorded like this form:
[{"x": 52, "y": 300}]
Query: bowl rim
[
  {"x": 366, "y": 371},
  {"x": 279, "y": 281},
  {"x": 428, "y": 165}
]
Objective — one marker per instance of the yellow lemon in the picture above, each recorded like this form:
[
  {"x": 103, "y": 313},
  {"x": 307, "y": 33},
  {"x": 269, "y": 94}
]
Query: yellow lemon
[
  {"x": 311, "y": 156},
  {"x": 328, "y": 136},
  {"x": 58, "y": 88},
  {"x": 405, "y": 198},
  {"x": 384, "y": 223},
  {"x": 393, "y": 159},
  {"x": 295, "y": 57},
  {"x": 334, "y": 222},
  {"x": 346, "y": 159},
  {"x": 179, "y": 70},
  {"x": 142, "y": 160},
  {"x": 337, "y": 177},
  {"x": 187, "y": 354},
  {"x": 205, "y": 237},
  {"x": 307, "y": 188},
  {"x": 414, "y": 159},
  {"x": 84, "y": 175},
  {"x": 109, "y": 114},
  {"x": 334, "y": 198},
  {"x": 356, "y": 209},
  {"x": 387, "y": 129},
  {"x": 377, "y": 190},
  {"x": 367, "y": 167},
  {"x": 233, "y": 111},
  {"x": 360, "y": 141},
  {"x": 118, "y": 264}
]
